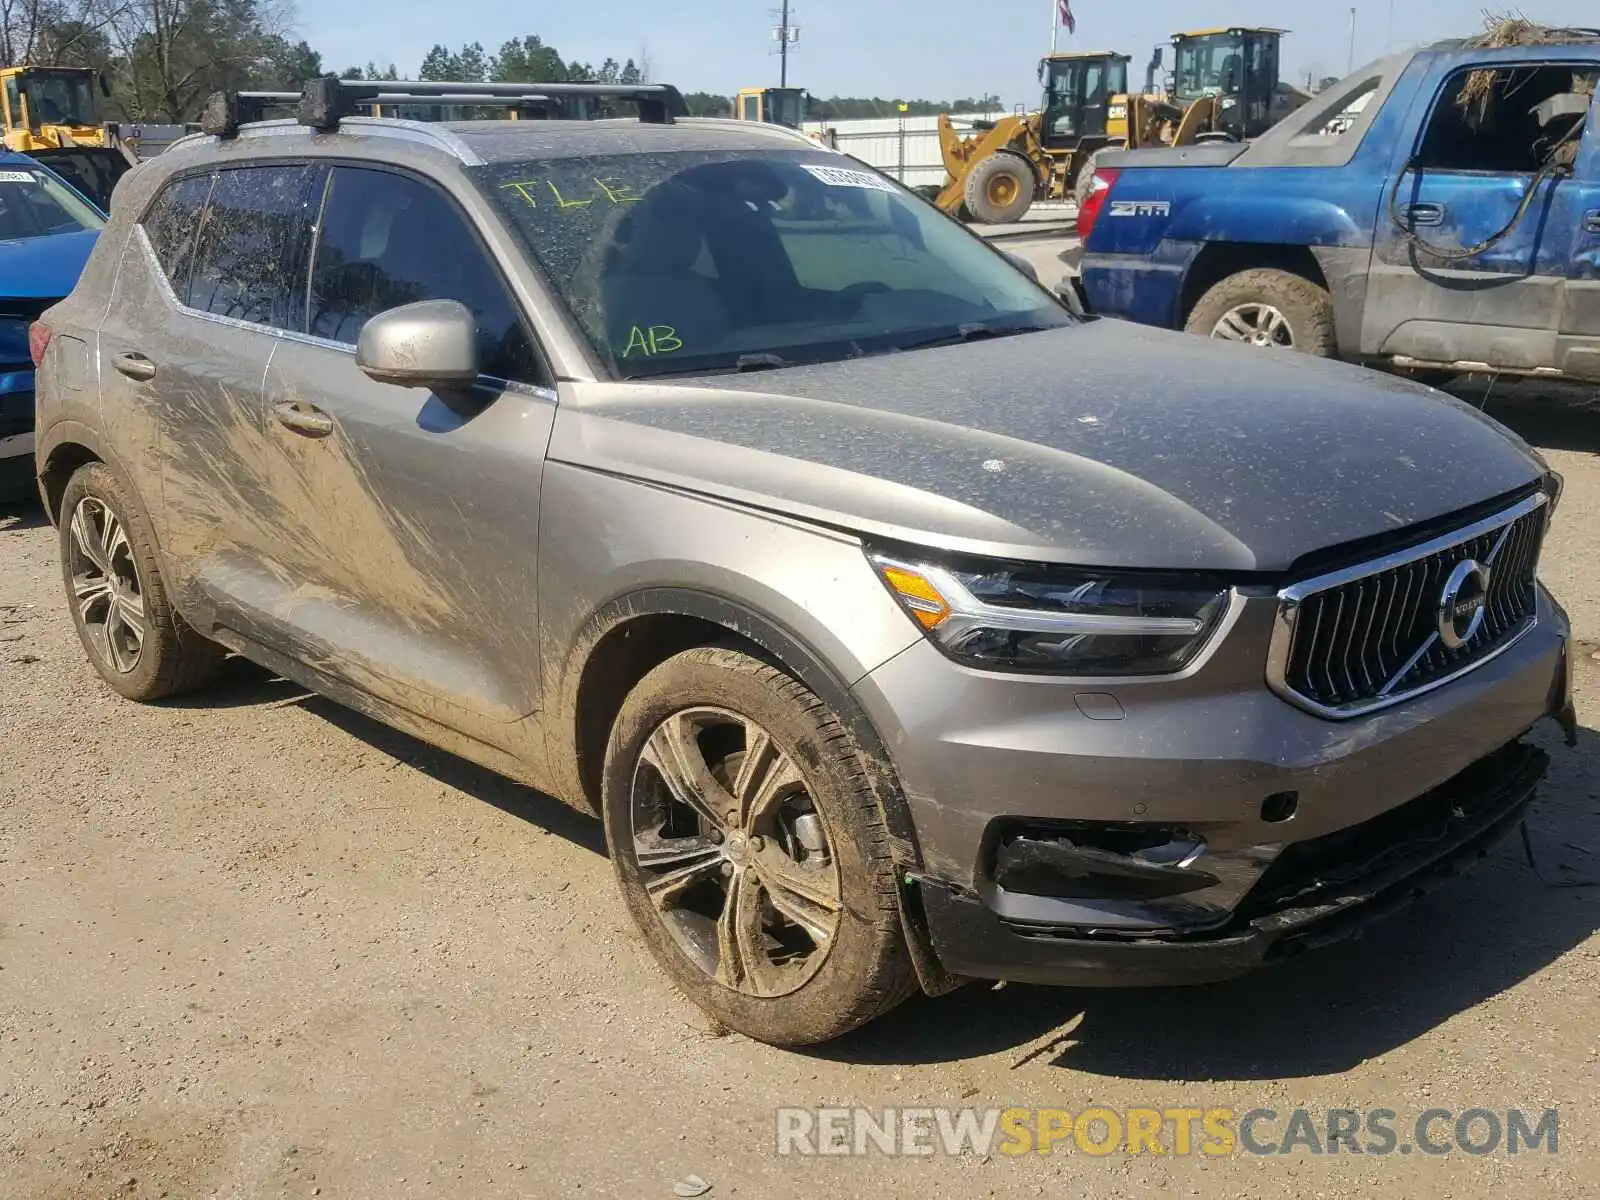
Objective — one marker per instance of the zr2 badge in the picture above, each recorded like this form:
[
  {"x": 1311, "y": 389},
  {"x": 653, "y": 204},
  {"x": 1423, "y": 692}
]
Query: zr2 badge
[{"x": 1141, "y": 208}]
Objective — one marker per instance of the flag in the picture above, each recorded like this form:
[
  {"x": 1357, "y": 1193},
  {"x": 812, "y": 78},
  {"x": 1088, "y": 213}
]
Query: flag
[{"x": 1067, "y": 19}]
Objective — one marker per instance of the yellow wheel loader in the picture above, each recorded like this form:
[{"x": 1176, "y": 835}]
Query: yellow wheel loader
[
  {"x": 51, "y": 114},
  {"x": 1225, "y": 81},
  {"x": 772, "y": 106},
  {"x": 995, "y": 174},
  {"x": 1224, "y": 87}
]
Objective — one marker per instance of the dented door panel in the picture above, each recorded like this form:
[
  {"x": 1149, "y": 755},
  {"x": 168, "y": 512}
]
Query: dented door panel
[
  {"x": 1502, "y": 305},
  {"x": 1579, "y": 345},
  {"x": 405, "y": 540}
]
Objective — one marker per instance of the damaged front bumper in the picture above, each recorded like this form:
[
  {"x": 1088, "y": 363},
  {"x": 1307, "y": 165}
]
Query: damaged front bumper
[
  {"x": 1314, "y": 893},
  {"x": 16, "y": 433}
]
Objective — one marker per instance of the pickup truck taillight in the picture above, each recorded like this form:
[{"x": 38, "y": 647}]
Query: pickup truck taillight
[
  {"x": 38, "y": 340},
  {"x": 1099, "y": 189}
]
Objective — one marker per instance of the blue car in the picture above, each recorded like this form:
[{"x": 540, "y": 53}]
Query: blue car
[
  {"x": 1436, "y": 213},
  {"x": 46, "y": 232}
]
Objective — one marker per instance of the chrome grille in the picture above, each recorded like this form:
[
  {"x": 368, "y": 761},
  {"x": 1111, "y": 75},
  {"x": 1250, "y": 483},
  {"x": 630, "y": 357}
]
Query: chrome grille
[{"x": 1374, "y": 635}]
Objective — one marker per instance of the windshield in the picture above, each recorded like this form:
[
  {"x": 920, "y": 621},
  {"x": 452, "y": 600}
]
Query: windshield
[
  {"x": 691, "y": 262},
  {"x": 1075, "y": 81},
  {"x": 34, "y": 203},
  {"x": 1203, "y": 64},
  {"x": 786, "y": 107},
  {"x": 60, "y": 97}
]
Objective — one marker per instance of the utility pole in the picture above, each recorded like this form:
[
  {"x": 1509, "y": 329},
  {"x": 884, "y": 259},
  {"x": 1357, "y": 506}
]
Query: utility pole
[
  {"x": 786, "y": 35},
  {"x": 1352, "y": 67}
]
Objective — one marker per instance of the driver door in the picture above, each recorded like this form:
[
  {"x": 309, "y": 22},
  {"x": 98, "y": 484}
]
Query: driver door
[{"x": 1470, "y": 261}]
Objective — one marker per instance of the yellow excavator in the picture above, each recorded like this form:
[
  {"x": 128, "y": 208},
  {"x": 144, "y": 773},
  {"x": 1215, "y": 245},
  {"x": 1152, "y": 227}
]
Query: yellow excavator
[
  {"x": 51, "y": 114},
  {"x": 1224, "y": 86}
]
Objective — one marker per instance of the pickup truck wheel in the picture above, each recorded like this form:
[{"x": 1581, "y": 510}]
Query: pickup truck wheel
[
  {"x": 135, "y": 639},
  {"x": 1268, "y": 308},
  {"x": 751, "y": 850},
  {"x": 1000, "y": 189}
]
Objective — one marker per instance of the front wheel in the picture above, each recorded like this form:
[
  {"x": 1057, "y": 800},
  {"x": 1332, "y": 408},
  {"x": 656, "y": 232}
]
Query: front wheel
[
  {"x": 1000, "y": 189},
  {"x": 751, "y": 850},
  {"x": 1268, "y": 308}
]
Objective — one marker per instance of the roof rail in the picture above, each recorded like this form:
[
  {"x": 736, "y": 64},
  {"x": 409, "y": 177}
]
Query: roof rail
[{"x": 324, "y": 102}]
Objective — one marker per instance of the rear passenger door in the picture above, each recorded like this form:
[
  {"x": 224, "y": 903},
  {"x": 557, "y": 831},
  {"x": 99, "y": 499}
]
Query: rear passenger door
[
  {"x": 1471, "y": 265},
  {"x": 412, "y": 546},
  {"x": 1578, "y": 347},
  {"x": 187, "y": 337}
]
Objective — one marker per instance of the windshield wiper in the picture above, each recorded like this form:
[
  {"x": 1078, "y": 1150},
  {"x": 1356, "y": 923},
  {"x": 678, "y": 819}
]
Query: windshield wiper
[
  {"x": 974, "y": 332},
  {"x": 759, "y": 362}
]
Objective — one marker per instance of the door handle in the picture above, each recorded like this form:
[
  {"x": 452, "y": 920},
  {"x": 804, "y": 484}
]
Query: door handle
[
  {"x": 1591, "y": 221},
  {"x": 305, "y": 419},
  {"x": 136, "y": 366},
  {"x": 1426, "y": 213}
]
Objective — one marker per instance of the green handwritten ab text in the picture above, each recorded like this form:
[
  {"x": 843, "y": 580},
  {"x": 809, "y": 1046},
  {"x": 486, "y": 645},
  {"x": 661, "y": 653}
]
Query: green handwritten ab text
[{"x": 652, "y": 340}]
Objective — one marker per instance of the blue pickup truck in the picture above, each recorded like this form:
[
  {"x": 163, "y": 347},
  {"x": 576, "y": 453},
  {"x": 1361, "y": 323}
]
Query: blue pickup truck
[{"x": 1436, "y": 213}]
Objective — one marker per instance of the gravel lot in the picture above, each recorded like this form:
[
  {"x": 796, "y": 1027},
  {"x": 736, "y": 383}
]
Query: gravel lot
[{"x": 254, "y": 945}]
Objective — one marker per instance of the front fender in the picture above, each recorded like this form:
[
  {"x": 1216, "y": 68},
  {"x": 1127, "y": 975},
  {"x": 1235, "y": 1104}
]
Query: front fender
[{"x": 615, "y": 549}]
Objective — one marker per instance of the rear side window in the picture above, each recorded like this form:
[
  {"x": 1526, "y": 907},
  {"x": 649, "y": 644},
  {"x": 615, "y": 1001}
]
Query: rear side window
[
  {"x": 249, "y": 241},
  {"x": 1516, "y": 119},
  {"x": 171, "y": 225},
  {"x": 388, "y": 240}
]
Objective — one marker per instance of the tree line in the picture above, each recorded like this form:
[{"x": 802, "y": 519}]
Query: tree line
[{"x": 163, "y": 58}]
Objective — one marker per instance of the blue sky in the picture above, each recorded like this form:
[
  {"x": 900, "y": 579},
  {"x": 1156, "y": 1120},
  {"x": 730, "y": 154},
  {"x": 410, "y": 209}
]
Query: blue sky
[{"x": 929, "y": 49}]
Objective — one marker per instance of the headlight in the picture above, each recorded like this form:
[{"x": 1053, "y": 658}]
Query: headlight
[
  {"x": 1056, "y": 620},
  {"x": 14, "y": 342}
]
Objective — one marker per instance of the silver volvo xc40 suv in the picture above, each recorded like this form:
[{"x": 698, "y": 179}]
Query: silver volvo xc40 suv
[{"x": 902, "y": 625}]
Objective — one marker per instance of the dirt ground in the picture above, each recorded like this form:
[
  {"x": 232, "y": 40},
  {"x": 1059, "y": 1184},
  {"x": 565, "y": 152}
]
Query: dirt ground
[{"x": 254, "y": 945}]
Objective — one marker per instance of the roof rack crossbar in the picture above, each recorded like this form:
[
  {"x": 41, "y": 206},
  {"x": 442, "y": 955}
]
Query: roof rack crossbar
[{"x": 328, "y": 100}]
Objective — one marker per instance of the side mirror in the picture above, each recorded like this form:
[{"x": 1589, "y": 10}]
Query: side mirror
[
  {"x": 432, "y": 344},
  {"x": 1023, "y": 265},
  {"x": 105, "y": 85},
  {"x": 1072, "y": 297}
]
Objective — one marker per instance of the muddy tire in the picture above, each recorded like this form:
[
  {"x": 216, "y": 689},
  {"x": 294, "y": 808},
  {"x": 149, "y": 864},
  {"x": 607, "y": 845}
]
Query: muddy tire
[
  {"x": 134, "y": 638},
  {"x": 751, "y": 851},
  {"x": 1085, "y": 180},
  {"x": 1000, "y": 189},
  {"x": 1269, "y": 308}
]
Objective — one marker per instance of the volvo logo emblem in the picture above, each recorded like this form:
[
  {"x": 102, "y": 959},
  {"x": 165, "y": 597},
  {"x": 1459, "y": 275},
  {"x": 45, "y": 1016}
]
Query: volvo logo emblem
[{"x": 1463, "y": 604}]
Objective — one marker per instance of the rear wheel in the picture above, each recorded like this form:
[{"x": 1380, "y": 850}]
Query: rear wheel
[
  {"x": 134, "y": 637},
  {"x": 751, "y": 850},
  {"x": 1000, "y": 189},
  {"x": 1268, "y": 308}
]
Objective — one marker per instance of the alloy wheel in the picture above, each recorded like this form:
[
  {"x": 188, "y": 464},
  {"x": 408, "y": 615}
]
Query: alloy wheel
[
  {"x": 733, "y": 853},
  {"x": 1255, "y": 325},
  {"x": 105, "y": 585}
]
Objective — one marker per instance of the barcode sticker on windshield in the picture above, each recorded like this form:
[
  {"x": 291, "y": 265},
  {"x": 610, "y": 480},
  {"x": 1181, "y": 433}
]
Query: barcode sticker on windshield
[
  {"x": 17, "y": 177},
  {"x": 844, "y": 177}
]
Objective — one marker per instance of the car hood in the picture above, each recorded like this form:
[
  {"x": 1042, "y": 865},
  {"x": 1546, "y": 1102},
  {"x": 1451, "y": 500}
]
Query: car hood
[
  {"x": 1107, "y": 444},
  {"x": 44, "y": 268}
]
